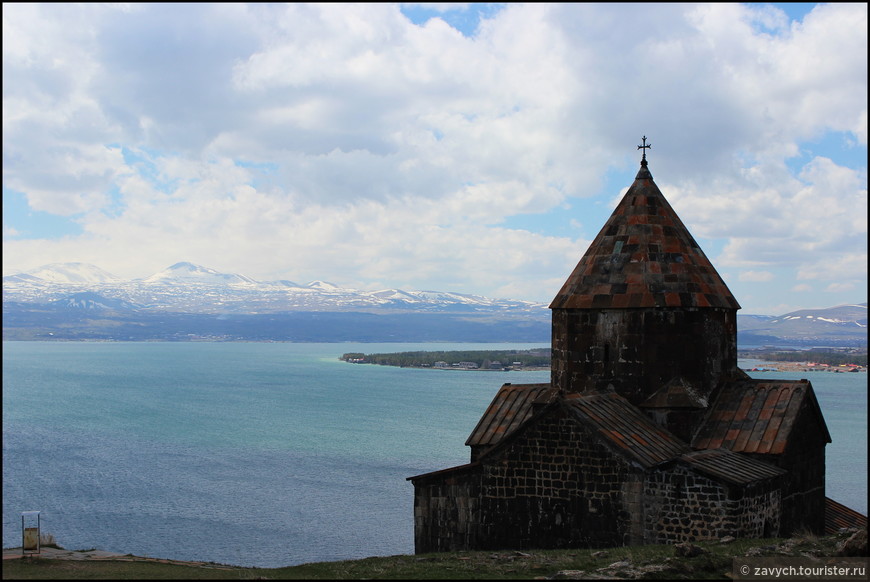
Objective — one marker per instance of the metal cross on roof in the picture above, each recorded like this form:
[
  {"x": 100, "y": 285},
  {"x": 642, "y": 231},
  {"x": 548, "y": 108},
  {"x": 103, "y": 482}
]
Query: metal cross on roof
[{"x": 644, "y": 147}]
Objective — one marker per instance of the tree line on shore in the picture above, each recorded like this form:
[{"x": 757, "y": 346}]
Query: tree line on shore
[
  {"x": 483, "y": 359},
  {"x": 822, "y": 356},
  {"x": 540, "y": 357}
]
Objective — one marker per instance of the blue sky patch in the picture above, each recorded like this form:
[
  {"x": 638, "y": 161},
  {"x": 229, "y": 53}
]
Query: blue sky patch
[
  {"x": 30, "y": 224},
  {"x": 837, "y": 145},
  {"x": 465, "y": 17},
  {"x": 794, "y": 10}
]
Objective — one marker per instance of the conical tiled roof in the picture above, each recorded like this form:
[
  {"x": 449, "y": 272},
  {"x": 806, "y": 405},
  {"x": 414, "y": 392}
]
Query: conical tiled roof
[{"x": 644, "y": 257}]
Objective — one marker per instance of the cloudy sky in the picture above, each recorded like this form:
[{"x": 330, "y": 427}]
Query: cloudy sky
[{"x": 476, "y": 148}]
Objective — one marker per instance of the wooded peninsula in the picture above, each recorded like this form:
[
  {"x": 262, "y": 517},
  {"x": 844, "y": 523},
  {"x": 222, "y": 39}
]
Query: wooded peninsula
[
  {"x": 458, "y": 360},
  {"x": 539, "y": 358}
]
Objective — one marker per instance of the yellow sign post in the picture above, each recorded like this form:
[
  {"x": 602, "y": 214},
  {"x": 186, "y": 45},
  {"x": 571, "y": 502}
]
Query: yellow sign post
[{"x": 30, "y": 534}]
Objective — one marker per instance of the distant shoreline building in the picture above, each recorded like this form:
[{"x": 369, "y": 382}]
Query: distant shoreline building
[{"x": 648, "y": 432}]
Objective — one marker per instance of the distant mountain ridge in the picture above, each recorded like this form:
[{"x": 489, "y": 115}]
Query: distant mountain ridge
[
  {"x": 90, "y": 301},
  {"x": 66, "y": 273},
  {"x": 192, "y": 288},
  {"x": 195, "y": 273},
  {"x": 190, "y": 302},
  {"x": 840, "y": 325}
]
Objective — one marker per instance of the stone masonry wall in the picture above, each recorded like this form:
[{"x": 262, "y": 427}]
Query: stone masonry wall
[
  {"x": 555, "y": 486},
  {"x": 682, "y": 505},
  {"x": 640, "y": 350},
  {"x": 446, "y": 511},
  {"x": 759, "y": 511},
  {"x": 803, "y": 490}
]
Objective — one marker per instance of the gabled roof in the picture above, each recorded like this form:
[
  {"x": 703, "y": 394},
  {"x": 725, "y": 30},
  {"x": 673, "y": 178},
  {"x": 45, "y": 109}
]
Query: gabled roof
[
  {"x": 624, "y": 426},
  {"x": 446, "y": 474},
  {"x": 675, "y": 394},
  {"x": 838, "y": 516},
  {"x": 511, "y": 407},
  {"x": 628, "y": 431},
  {"x": 731, "y": 467},
  {"x": 644, "y": 257},
  {"x": 757, "y": 416},
  {"x": 610, "y": 414}
]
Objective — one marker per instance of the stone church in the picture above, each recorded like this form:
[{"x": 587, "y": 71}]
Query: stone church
[{"x": 648, "y": 432}]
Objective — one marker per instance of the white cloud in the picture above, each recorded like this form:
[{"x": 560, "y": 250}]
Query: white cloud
[
  {"x": 814, "y": 223},
  {"x": 756, "y": 276},
  {"x": 850, "y": 265},
  {"x": 344, "y": 142},
  {"x": 839, "y": 287}
]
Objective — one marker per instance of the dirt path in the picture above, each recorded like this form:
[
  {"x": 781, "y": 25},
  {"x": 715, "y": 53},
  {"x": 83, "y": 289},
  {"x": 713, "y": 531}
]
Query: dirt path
[{"x": 63, "y": 554}]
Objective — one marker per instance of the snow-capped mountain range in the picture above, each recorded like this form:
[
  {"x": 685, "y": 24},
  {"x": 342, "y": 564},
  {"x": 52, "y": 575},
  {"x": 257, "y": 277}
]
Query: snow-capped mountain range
[
  {"x": 83, "y": 273},
  {"x": 842, "y": 321},
  {"x": 190, "y": 273},
  {"x": 186, "y": 287},
  {"x": 190, "y": 302}
]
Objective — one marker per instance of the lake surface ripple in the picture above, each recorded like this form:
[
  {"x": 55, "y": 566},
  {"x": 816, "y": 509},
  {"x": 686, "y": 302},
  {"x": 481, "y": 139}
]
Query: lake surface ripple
[{"x": 266, "y": 454}]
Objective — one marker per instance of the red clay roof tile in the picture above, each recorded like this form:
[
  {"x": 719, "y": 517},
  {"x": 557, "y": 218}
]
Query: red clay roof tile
[
  {"x": 627, "y": 428},
  {"x": 643, "y": 238},
  {"x": 510, "y": 408},
  {"x": 838, "y": 516},
  {"x": 758, "y": 416},
  {"x": 731, "y": 467}
]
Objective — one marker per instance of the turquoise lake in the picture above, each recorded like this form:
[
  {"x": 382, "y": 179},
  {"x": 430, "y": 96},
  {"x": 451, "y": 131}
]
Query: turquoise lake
[{"x": 267, "y": 454}]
